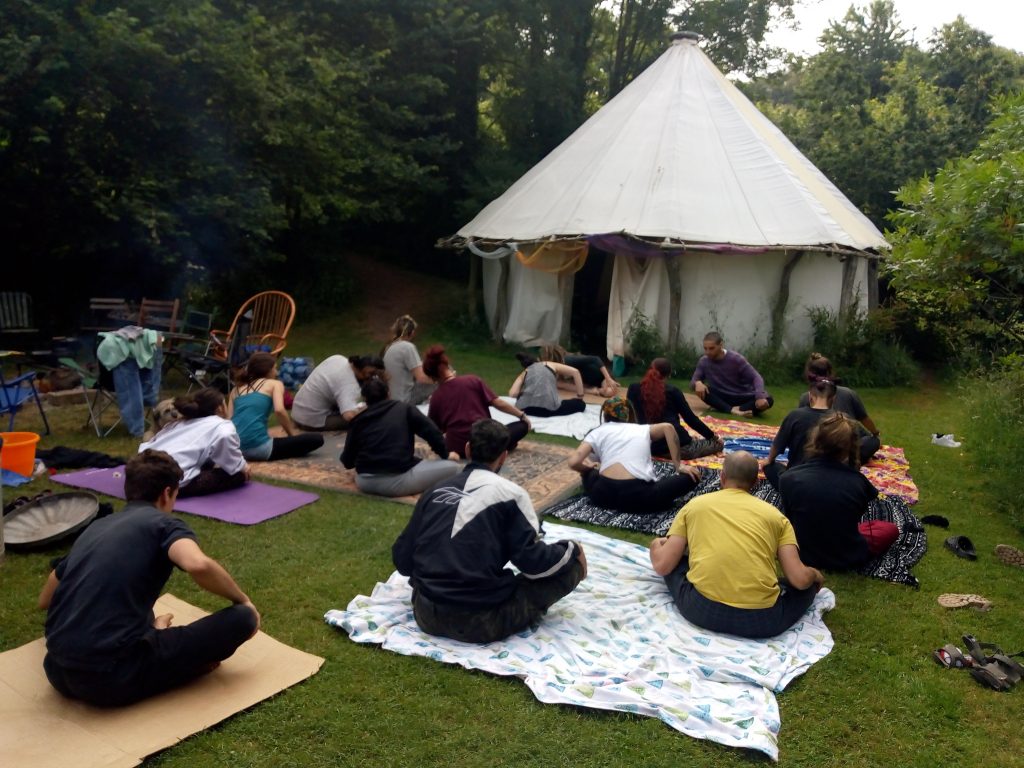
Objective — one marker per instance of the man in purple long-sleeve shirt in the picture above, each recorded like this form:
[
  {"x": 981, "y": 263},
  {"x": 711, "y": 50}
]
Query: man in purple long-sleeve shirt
[{"x": 727, "y": 382}]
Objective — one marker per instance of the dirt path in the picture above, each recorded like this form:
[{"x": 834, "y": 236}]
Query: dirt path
[{"x": 393, "y": 291}]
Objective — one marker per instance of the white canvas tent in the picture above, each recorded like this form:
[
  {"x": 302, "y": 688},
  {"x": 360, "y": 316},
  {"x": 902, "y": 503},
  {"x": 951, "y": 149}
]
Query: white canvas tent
[{"x": 714, "y": 218}]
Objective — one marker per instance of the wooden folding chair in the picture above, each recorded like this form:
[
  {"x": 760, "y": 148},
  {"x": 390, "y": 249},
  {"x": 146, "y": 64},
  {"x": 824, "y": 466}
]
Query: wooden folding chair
[
  {"x": 159, "y": 314},
  {"x": 107, "y": 314}
]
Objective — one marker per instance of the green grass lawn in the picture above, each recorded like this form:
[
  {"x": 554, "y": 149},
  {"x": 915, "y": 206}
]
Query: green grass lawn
[{"x": 877, "y": 700}]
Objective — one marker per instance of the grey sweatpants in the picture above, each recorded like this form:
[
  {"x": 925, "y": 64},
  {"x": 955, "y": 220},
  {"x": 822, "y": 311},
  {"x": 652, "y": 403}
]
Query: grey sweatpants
[{"x": 416, "y": 480}]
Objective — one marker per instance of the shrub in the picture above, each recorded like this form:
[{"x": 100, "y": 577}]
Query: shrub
[
  {"x": 644, "y": 341},
  {"x": 862, "y": 347}
]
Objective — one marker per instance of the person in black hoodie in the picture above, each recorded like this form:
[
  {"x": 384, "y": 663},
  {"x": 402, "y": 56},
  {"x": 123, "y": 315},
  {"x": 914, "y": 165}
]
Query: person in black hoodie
[
  {"x": 380, "y": 445},
  {"x": 462, "y": 533}
]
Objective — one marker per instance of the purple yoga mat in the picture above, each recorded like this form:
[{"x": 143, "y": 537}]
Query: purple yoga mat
[{"x": 252, "y": 503}]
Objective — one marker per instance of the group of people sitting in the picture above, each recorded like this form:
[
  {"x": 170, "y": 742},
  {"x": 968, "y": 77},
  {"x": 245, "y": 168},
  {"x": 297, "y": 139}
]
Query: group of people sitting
[
  {"x": 374, "y": 398},
  {"x": 719, "y": 559}
]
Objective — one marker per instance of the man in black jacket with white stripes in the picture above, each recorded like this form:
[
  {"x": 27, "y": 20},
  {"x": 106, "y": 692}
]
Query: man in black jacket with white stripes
[{"x": 462, "y": 533}]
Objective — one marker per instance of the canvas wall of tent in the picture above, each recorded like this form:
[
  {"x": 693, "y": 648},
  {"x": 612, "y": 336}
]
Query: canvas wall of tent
[{"x": 709, "y": 215}]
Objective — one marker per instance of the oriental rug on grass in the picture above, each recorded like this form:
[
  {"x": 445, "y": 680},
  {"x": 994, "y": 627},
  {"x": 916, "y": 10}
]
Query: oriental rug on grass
[{"x": 541, "y": 468}]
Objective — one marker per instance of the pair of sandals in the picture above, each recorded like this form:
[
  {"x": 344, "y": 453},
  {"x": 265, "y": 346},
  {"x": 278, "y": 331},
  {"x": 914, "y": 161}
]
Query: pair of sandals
[{"x": 998, "y": 670}]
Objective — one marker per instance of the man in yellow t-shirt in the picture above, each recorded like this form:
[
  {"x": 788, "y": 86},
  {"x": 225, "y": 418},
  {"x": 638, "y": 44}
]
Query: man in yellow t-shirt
[{"x": 719, "y": 560}]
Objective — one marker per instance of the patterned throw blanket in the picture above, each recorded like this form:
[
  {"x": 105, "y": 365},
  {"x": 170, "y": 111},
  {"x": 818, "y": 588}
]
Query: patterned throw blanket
[
  {"x": 893, "y": 566},
  {"x": 888, "y": 471},
  {"x": 618, "y": 643}
]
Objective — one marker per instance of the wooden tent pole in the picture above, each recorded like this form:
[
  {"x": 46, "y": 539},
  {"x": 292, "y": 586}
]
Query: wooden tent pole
[{"x": 779, "y": 310}]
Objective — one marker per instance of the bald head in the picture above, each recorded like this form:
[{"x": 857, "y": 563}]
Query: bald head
[{"x": 739, "y": 471}]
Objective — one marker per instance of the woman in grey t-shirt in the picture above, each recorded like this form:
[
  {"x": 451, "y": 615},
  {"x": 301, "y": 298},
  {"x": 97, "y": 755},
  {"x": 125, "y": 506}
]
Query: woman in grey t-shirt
[
  {"x": 407, "y": 380},
  {"x": 536, "y": 388}
]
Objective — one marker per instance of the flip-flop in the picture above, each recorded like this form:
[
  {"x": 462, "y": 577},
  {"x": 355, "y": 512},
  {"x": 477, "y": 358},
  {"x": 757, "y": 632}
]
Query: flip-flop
[
  {"x": 952, "y": 657},
  {"x": 977, "y": 602},
  {"x": 937, "y": 520},
  {"x": 961, "y": 546},
  {"x": 1009, "y": 555}
]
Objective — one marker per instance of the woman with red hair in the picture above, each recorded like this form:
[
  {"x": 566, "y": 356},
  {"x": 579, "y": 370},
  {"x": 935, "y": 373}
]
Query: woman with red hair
[
  {"x": 656, "y": 401},
  {"x": 460, "y": 401}
]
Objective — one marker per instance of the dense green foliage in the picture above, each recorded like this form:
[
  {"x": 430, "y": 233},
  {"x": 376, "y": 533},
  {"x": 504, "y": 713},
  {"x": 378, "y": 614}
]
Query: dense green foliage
[
  {"x": 958, "y": 245},
  {"x": 873, "y": 110},
  {"x": 211, "y": 146}
]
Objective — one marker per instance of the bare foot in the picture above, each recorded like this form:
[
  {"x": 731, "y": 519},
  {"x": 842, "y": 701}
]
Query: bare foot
[
  {"x": 163, "y": 621},
  {"x": 737, "y": 411}
]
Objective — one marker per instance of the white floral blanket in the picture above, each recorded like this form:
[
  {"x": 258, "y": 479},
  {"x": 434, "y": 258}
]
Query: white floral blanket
[{"x": 618, "y": 643}]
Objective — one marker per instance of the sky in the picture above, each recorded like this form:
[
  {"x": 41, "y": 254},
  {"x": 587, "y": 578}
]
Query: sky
[{"x": 1002, "y": 19}]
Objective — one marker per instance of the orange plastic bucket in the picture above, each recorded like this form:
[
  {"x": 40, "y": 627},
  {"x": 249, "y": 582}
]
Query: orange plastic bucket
[{"x": 18, "y": 453}]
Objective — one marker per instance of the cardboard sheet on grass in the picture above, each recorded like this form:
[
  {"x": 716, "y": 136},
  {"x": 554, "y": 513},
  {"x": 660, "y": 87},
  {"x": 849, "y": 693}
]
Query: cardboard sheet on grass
[
  {"x": 888, "y": 471},
  {"x": 252, "y": 503},
  {"x": 40, "y": 728},
  {"x": 541, "y": 468},
  {"x": 618, "y": 643}
]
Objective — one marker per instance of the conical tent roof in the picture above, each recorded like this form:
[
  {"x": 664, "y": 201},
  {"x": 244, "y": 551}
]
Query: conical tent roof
[{"x": 680, "y": 153}]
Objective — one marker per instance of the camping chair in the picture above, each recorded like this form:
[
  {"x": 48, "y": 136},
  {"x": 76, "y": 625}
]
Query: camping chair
[
  {"x": 103, "y": 396},
  {"x": 269, "y": 315},
  {"x": 18, "y": 391},
  {"x": 188, "y": 350}
]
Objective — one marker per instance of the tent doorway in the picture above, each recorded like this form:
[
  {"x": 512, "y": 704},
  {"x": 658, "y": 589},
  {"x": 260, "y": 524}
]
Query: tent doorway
[{"x": 591, "y": 293}]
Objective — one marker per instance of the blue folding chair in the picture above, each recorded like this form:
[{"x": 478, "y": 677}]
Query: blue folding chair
[{"x": 18, "y": 391}]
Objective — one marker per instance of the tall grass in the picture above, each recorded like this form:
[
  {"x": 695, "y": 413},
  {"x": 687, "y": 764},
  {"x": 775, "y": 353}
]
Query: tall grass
[{"x": 994, "y": 429}]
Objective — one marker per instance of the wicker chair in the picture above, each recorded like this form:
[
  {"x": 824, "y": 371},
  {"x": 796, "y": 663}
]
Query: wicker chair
[{"x": 269, "y": 314}]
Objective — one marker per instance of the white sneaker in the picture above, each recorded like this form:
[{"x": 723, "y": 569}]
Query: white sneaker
[{"x": 946, "y": 441}]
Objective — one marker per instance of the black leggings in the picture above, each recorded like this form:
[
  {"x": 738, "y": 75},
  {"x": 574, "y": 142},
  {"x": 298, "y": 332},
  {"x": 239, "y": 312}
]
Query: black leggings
[
  {"x": 212, "y": 480},
  {"x": 295, "y": 446},
  {"x": 636, "y": 497},
  {"x": 566, "y": 408}
]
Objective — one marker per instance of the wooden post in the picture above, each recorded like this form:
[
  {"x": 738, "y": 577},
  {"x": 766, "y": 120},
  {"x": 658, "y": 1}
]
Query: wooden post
[
  {"x": 779, "y": 310},
  {"x": 846, "y": 297},
  {"x": 474, "y": 281},
  {"x": 675, "y": 299}
]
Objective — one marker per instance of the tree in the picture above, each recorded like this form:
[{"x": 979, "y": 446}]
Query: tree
[{"x": 958, "y": 242}]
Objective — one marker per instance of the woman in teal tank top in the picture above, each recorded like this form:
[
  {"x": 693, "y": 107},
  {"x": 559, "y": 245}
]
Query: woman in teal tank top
[{"x": 257, "y": 394}]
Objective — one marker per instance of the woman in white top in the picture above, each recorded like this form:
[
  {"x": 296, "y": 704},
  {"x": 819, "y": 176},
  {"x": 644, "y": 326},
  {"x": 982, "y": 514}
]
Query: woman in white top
[
  {"x": 204, "y": 443},
  {"x": 406, "y": 379},
  {"x": 621, "y": 475}
]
